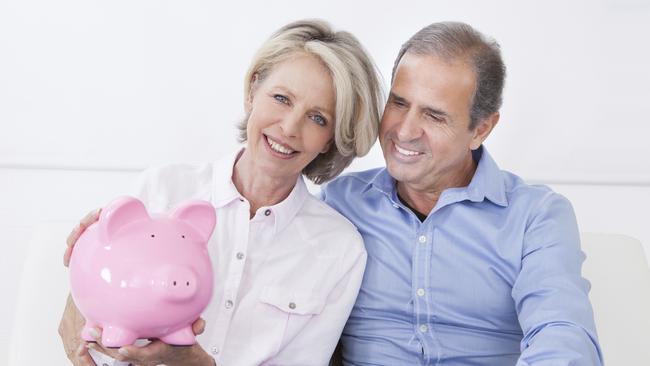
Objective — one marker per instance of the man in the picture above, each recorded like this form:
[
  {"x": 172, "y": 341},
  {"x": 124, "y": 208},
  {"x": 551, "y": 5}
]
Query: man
[{"x": 467, "y": 265}]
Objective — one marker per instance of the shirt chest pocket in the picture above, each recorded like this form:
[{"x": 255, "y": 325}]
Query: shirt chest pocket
[
  {"x": 292, "y": 302},
  {"x": 281, "y": 313}
]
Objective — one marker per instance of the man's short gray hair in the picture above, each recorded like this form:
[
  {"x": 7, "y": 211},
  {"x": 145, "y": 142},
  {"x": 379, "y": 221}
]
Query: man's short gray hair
[{"x": 452, "y": 41}]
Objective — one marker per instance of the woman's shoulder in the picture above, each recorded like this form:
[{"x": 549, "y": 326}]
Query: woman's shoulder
[
  {"x": 178, "y": 171},
  {"x": 317, "y": 210},
  {"x": 328, "y": 229},
  {"x": 161, "y": 187}
]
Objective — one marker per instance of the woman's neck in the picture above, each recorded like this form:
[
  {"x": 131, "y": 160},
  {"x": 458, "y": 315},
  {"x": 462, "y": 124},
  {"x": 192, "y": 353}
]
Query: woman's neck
[{"x": 259, "y": 189}]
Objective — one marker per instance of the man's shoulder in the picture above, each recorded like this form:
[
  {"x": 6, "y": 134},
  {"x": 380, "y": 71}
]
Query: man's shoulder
[
  {"x": 352, "y": 182},
  {"x": 349, "y": 193},
  {"x": 535, "y": 196}
]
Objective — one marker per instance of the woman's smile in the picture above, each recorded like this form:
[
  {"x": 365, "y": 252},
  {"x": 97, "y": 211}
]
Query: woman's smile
[{"x": 279, "y": 149}]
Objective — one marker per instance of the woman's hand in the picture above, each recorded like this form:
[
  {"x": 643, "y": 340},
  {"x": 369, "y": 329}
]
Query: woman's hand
[
  {"x": 70, "y": 332},
  {"x": 88, "y": 220},
  {"x": 158, "y": 352},
  {"x": 154, "y": 353}
]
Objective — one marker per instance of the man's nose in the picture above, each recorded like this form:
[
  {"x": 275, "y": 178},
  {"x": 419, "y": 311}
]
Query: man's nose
[{"x": 409, "y": 128}]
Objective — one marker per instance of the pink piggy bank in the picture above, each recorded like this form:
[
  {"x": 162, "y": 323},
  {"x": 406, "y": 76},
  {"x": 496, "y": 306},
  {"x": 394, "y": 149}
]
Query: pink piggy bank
[{"x": 140, "y": 276}]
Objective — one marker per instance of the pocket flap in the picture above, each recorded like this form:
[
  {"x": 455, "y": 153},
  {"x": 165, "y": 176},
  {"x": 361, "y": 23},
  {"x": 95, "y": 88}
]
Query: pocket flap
[{"x": 294, "y": 302}]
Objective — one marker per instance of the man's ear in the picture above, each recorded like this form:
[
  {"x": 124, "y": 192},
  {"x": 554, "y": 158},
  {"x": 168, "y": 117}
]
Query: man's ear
[
  {"x": 248, "y": 102},
  {"x": 482, "y": 131}
]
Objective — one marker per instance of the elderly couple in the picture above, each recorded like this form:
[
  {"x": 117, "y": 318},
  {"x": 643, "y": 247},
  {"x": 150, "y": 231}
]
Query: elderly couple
[{"x": 440, "y": 258}]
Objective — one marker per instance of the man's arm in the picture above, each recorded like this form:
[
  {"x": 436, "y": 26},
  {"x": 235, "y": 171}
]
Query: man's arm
[{"x": 550, "y": 295}]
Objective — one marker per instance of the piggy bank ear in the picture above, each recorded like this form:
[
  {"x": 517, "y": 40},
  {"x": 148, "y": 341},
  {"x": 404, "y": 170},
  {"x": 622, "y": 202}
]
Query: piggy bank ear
[
  {"x": 199, "y": 214},
  {"x": 120, "y": 213}
]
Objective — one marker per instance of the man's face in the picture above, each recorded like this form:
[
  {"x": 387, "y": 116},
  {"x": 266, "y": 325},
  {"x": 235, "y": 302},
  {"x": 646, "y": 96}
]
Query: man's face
[{"x": 424, "y": 131}]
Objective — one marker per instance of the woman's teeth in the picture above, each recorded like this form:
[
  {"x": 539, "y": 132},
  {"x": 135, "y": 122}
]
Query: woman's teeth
[{"x": 276, "y": 146}]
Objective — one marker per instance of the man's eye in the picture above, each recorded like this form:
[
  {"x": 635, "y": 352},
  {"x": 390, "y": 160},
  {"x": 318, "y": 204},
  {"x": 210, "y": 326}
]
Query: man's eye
[
  {"x": 434, "y": 117},
  {"x": 319, "y": 119},
  {"x": 399, "y": 103},
  {"x": 281, "y": 98}
]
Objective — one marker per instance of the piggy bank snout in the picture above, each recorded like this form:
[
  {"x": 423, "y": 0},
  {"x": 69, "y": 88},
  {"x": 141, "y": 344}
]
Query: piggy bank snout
[{"x": 178, "y": 283}]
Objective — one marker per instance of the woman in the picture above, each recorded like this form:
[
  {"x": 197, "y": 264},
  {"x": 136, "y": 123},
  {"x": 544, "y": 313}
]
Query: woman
[{"x": 287, "y": 266}]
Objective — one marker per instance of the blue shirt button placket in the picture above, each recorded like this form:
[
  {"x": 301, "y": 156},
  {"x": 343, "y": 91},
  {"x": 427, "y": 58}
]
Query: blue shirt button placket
[{"x": 420, "y": 270}]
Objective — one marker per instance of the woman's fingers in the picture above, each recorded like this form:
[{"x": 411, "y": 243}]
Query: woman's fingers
[
  {"x": 198, "y": 326},
  {"x": 69, "y": 329},
  {"x": 107, "y": 351},
  {"x": 74, "y": 235},
  {"x": 83, "y": 357},
  {"x": 156, "y": 350},
  {"x": 96, "y": 333}
]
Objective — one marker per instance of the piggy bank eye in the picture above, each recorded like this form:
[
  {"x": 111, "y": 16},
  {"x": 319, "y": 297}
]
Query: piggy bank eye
[
  {"x": 183, "y": 236},
  {"x": 153, "y": 236}
]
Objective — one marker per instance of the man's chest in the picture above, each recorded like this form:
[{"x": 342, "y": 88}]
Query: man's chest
[{"x": 453, "y": 273}]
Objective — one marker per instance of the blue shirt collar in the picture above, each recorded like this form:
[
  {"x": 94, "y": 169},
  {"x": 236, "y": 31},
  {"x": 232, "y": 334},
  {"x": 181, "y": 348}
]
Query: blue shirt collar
[{"x": 487, "y": 182}]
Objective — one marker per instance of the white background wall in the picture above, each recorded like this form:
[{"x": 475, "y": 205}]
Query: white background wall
[{"x": 93, "y": 91}]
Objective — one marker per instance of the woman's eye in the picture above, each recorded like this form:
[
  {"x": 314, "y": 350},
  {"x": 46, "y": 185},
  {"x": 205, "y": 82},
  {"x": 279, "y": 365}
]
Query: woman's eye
[
  {"x": 319, "y": 119},
  {"x": 281, "y": 98}
]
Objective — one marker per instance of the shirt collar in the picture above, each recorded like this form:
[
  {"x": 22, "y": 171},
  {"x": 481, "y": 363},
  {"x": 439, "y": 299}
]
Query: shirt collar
[
  {"x": 383, "y": 182},
  {"x": 225, "y": 192},
  {"x": 284, "y": 211},
  {"x": 487, "y": 182}
]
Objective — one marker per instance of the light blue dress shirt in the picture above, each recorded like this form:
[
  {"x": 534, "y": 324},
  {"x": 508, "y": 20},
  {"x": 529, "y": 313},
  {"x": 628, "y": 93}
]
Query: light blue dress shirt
[{"x": 491, "y": 277}]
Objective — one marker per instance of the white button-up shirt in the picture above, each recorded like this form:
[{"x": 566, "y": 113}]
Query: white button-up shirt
[{"x": 285, "y": 280}]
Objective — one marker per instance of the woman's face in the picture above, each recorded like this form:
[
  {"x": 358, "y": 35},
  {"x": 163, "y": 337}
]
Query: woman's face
[{"x": 291, "y": 116}]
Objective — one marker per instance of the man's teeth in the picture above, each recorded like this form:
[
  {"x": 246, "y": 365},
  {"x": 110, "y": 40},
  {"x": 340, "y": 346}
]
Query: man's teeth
[
  {"x": 279, "y": 148},
  {"x": 406, "y": 152}
]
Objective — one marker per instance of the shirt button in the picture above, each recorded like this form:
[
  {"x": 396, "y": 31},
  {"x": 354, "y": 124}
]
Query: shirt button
[
  {"x": 420, "y": 292},
  {"x": 267, "y": 212},
  {"x": 240, "y": 255},
  {"x": 104, "y": 364},
  {"x": 422, "y": 239},
  {"x": 423, "y": 328},
  {"x": 215, "y": 350},
  {"x": 292, "y": 305},
  {"x": 229, "y": 304}
]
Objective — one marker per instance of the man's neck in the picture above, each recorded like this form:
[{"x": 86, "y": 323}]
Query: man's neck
[{"x": 424, "y": 198}]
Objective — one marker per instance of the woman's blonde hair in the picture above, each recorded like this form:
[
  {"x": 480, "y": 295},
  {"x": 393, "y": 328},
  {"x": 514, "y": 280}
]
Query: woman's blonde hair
[{"x": 359, "y": 96}]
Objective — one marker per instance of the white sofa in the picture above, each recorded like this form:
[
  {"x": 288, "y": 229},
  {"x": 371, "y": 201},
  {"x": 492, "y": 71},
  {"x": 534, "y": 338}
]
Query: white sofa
[
  {"x": 616, "y": 266},
  {"x": 41, "y": 298},
  {"x": 618, "y": 270}
]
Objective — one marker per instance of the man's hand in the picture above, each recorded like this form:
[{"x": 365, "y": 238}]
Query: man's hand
[
  {"x": 158, "y": 352},
  {"x": 74, "y": 235},
  {"x": 70, "y": 330}
]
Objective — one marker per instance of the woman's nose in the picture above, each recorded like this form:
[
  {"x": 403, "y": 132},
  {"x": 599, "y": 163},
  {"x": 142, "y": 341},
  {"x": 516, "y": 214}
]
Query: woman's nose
[{"x": 290, "y": 124}]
